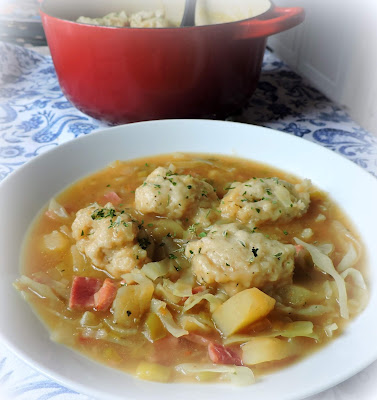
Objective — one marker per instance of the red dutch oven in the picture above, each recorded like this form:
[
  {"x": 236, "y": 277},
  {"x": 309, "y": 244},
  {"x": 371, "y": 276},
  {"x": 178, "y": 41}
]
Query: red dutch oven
[{"x": 132, "y": 74}]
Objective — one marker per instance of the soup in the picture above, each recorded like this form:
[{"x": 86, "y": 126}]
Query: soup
[{"x": 191, "y": 267}]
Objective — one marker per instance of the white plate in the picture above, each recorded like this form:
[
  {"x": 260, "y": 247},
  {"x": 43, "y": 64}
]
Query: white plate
[{"x": 28, "y": 189}]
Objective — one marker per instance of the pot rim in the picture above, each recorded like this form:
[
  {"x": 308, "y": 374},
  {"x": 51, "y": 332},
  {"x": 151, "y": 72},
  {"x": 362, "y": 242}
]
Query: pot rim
[{"x": 180, "y": 28}]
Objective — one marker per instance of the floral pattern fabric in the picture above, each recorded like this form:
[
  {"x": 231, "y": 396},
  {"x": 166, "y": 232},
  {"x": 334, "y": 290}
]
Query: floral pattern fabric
[{"x": 35, "y": 116}]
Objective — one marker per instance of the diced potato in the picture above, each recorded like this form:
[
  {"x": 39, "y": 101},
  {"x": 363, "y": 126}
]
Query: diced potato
[
  {"x": 153, "y": 372},
  {"x": 154, "y": 329},
  {"x": 263, "y": 349},
  {"x": 241, "y": 310},
  {"x": 130, "y": 303},
  {"x": 55, "y": 241}
]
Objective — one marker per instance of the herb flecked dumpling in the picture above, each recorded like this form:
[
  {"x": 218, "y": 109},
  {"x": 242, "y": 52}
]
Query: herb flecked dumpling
[{"x": 171, "y": 195}]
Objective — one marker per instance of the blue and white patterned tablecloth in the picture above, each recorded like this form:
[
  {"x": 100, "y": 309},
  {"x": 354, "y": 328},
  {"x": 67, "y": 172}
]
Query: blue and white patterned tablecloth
[{"x": 35, "y": 116}]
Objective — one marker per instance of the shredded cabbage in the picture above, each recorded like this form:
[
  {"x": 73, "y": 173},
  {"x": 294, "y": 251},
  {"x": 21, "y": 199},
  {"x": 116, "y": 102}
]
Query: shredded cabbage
[
  {"x": 136, "y": 276},
  {"x": 330, "y": 328},
  {"x": 288, "y": 330},
  {"x": 57, "y": 209},
  {"x": 41, "y": 290},
  {"x": 120, "y": 331},
  {"x": 240, "y": 376},
  {"x": 325, "y": 248},
  {"x": 167, "y": 295},
  {"x": 315, "y": 310},
  {"x": 213, "y": 300},
  {"x": 349, "y": 259},
  {"x": 356, "y": 276},
  {"x": 179, "y": 288},
  {"x": 154, "y": 270},
  {"x": 61, "y": 288},
  {"x": 325, "y": 264},
  {"x": 201, "y": 322},
  {"x": 159, "y": 307}
]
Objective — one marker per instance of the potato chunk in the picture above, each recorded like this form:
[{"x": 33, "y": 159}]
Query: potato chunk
[
  {"x": 130, "y": 304},
  {"x": 264, "y": 349},
  {"x": 241, "y": 310}
]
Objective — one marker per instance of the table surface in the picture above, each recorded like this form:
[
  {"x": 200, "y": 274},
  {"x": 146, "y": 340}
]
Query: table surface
[{"x": 35, "y": 117}]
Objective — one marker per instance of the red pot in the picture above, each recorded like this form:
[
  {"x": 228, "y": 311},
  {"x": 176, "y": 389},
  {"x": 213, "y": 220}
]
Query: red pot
[{"x": 132, "y": 74}]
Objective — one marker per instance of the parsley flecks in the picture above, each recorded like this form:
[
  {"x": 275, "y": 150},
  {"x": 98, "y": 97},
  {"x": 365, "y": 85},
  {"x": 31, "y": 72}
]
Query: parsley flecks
[
  {"x": 257, "y": 210},
  {"x": 191, "y": 252},
  {"x": 172, "y": 256},
  {"x": 108, "y": 185},
  {"x": 255, "y": 251},
  {"x": 200, "y": 250},
  {"x": 157, "y": 186},
  {"x": 103, "y": 213},
  {"x": 291, "y": 205},
  {"x": 189, "y": 186},
  {"x": 229, "y": 188},
  {"x": 177, "y": 267},
  {"x": 202, "y": 234},
  {"x": 278, "y": 255},
  {"x": 192, "y": 228},
  {"x": 228, "y": 265},
  {"x": 82, "y": 233},
  {"x": 242, "y": 243},
  {"x": 144, "y": 243},
  {"x": 170, "y": 173},
  {"x": 225, "y": 233},
  {"x": 261, "y": 180},
  {"x": 268, "y": 191},
  {"x": 129, "y": 313},
  {"x": 285, "y": 232},
  {"x": 150, "y": 225},
  {"x": 146, "y": 164}
]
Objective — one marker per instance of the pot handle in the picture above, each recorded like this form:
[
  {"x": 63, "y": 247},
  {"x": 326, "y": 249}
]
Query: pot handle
[{"x": 280, "y": 19}]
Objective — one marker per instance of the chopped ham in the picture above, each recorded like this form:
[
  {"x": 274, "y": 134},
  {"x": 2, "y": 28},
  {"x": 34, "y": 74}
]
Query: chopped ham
[
  {"x": 105, "y": 296},
  {"x": 82, "y": 292},
  {"x": 221, "y": 355},
  {"x": 198, "y": 289},
  {"x": 113, "y": 198}
]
